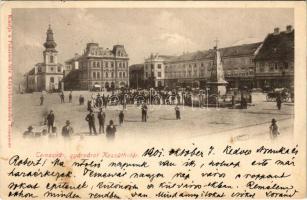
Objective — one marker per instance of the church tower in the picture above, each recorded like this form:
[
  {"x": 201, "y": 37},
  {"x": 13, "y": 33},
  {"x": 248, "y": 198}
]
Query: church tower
[
  {"x": 47, "y": 75},
  {"x": 50, "y": 53}
]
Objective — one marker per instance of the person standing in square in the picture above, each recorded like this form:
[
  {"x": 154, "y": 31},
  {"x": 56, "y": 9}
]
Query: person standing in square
[
  {"x": 90, "y": 118},
  {"x": 67, "y": 130},
  {"x": 70, "y": 97},
  {"x": 50, "y": 120},
  {"x": 111, "y": 130},
  {"x": 121, "y": 117},
  {"x": 274, "y": 132},
  {"x": 101, "y": 119},
  {"x": 144, "y": 112},
  {"x": 177, "y": 111}
]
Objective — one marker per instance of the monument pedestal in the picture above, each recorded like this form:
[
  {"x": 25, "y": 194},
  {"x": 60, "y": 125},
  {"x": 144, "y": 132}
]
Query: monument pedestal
[{"x": 217, "y": 83}]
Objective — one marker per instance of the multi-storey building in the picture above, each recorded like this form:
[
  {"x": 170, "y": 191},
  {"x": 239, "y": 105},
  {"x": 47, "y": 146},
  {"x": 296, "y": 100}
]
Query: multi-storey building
[
  {"x": 275, "y": 60},
  {"x": 106, "y": 68},
  {"x": 194, "y": 69},
  {"x": 264, "y": 64},
  {"x": 154, "y": 70},
  {"x": 48, "y": 74}
]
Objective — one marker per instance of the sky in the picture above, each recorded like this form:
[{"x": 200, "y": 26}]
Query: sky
[{"x": 168, "y": 31}]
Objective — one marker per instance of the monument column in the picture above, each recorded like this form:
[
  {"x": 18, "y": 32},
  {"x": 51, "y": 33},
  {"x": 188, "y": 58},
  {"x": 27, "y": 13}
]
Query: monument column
[{"x": 217, "y": 83}]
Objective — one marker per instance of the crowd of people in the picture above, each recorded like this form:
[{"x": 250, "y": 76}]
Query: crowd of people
[{"x": 98, "y": 103}]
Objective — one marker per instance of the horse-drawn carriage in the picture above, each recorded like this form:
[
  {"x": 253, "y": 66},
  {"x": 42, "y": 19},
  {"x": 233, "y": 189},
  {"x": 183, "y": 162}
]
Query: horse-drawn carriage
[{"x": 282, "y": 92}]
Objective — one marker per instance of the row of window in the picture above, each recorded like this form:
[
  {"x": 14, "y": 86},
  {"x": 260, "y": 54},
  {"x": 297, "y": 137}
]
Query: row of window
[
  {"x": 96, "y": 75},
  {"x": 271, "y": 67},
  {"x": 59, "y": 69},
  {"x": 238, "y": 61},
  {"x": 183, "y": 74},
  {"x": 159, "y": 74},
  {"x": 189, "y": 66},
  {"x": 98, "y": 64},
  {"x": 102, "y": 52},
  {"x": 151, "y": 66}
]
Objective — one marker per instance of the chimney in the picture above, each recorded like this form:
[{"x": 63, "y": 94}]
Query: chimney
[
  {"x": 288, "y": 28},
  {"x": 276, "y": 31}
]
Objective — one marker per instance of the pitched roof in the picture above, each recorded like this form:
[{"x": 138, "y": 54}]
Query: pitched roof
[
  {"x": 240, "y": 50},
  {"x": 193, "y": 56},
  {"x": 277, "y": 47}
]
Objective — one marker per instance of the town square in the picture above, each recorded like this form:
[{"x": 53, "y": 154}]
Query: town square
[{"x": 238, "y": 89}]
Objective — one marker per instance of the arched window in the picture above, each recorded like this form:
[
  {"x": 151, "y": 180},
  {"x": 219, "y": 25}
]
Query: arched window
[
  {"x": 94, "y": 75},
  {"x": 52, "y": 79},
  {"x": 120, "y": 74},
  {"x": 51, "y": 59},
  {"x": 107, "y": 75},
  {"x": 112, "y": 74},
  {"x": 98, "y": 64},
  {"x": 120, "y": 65},
  {"x": 124, "y": 74},
  {"x": 98, "y": 75}
]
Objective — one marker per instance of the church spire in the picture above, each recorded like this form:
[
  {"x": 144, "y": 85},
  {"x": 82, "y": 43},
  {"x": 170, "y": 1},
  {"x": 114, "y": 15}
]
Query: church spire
[{"x": 50, "y": 43}]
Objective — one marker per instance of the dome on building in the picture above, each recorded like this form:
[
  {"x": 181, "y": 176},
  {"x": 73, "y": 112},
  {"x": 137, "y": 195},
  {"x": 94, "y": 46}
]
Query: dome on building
[{"x": 50, "y": 43}]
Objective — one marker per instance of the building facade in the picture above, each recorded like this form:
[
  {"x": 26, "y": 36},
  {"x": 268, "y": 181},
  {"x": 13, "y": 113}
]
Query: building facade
[
  {"x": 194, "y": 69},
  {"x": 103, "y": 68},
  {"x": 136, "y": 76},
  {"x": 46, "y": 76},
  {"x": 154, "y": 70},
  {"x": 257, "y": 65},
  {"x": 275, "y": 60}
]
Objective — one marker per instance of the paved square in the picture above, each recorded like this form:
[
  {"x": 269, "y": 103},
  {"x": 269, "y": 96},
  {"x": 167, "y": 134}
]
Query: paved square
[{"x": 195, "y": 122}]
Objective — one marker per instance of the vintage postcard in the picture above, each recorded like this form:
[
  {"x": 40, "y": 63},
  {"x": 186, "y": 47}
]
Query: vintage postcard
[{"x": 153, "y": 100}]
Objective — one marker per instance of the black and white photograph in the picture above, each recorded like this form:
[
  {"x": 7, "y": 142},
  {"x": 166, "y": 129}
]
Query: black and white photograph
[
  {"x": 153, "y": 100},
  {"x": 116, "y": 73}
]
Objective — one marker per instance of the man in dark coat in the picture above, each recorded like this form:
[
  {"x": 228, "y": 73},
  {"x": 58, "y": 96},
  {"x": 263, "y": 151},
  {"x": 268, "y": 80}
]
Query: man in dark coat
[
  {"x": 50, "y": 120},
  {"x": 111, "y": 130},
  {"x": 67, "y": 130},
  {"x": 101, "y": 119},
  {"x": 42, "y": 99},
  {"x": 90, "y": 118},
  {"x": 278, "y": 102},
  {"x": 121, "y": 117},
  {"x": 62, "y": 97},
  {"x": 70, "y": 97},
  {"x": 274, "y": 132},
  {"x": 89, "y": 105},
  {"x": 177, "y": 111},
  {"x": 144, "y": 112}
]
